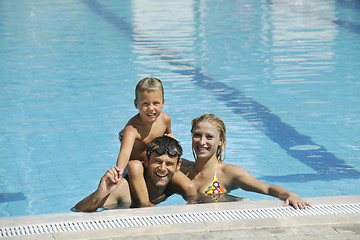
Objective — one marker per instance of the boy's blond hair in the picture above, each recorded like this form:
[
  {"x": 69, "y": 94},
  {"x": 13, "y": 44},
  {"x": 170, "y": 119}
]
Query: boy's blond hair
[{"x": 148, "y": 84}]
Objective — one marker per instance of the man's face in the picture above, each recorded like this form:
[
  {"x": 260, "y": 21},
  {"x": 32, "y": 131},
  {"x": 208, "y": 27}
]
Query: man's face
[{"x": 161, "y": 169}]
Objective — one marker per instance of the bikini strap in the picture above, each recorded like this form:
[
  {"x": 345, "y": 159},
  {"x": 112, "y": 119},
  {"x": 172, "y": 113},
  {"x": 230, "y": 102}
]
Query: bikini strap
[
  {"x": 187, "y": 174},
  {"x": 215, "y": 178}
]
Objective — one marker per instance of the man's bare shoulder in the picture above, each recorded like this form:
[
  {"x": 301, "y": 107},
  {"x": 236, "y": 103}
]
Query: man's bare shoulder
[
  {"x": 186, "y": 165},
  {"x": 121, "y": 194}
]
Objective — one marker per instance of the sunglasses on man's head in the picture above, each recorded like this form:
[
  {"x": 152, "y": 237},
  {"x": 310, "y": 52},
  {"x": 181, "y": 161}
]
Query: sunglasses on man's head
[{"x": 161, "y": 151}]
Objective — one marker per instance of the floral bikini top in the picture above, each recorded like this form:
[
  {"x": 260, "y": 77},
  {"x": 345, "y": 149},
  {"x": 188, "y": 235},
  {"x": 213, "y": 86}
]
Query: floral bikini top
[{"x": 215, "y": 188}]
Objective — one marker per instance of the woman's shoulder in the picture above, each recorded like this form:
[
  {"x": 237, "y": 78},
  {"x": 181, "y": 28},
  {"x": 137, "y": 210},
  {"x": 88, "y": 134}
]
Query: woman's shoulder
[
  {"x": 231, "y": 170},
  {"x": 234, "y": 176}
]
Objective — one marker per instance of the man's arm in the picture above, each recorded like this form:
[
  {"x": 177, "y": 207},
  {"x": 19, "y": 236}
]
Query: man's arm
[{"x": 112, "y": 189}]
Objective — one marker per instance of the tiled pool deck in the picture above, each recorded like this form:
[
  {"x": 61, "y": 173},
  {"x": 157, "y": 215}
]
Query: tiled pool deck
[{"x": 317, "y": 226}]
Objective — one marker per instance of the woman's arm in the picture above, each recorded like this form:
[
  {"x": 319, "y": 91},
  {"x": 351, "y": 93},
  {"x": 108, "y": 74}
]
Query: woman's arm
[
  {"x": 290, "y": 198},
  {"x": 243, "y": 179}
]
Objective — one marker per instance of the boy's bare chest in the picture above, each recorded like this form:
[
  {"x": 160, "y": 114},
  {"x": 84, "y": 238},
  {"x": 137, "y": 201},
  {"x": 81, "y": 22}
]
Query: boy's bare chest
[
  {"x": 143, "y": 139},
  {"x": 147, "y": 135}
]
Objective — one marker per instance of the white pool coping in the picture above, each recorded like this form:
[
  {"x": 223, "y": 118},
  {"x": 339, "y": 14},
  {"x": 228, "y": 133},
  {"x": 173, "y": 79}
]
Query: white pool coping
[{"x": 206, "y": 226}]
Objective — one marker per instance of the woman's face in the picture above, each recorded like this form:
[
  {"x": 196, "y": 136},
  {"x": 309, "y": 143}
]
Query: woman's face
[{"x": 205, "y": 140}]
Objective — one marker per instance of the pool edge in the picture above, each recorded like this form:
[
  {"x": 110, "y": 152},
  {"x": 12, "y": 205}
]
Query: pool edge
[{"x": 189, "y": 228}]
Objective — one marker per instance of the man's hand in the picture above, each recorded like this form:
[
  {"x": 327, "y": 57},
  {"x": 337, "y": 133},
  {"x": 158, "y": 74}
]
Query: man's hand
[{"x": 109, "y": 181}]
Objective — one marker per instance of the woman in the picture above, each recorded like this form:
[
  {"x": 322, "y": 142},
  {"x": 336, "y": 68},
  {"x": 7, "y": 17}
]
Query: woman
[{"x": 212, "y": 176}]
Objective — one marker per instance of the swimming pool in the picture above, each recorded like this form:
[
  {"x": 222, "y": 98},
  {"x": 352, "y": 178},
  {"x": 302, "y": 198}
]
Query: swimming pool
[{"x": 284, "y": 77}]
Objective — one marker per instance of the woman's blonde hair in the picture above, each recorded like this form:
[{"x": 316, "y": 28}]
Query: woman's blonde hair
[{"x": 220, "y": 126}]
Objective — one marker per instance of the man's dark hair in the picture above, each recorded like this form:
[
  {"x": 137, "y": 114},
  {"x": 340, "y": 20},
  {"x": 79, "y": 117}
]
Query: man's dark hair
[{"x": 164, "y": 142}]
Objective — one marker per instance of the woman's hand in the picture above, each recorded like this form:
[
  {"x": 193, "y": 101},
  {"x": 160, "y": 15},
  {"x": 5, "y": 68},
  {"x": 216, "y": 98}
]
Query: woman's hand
[{"x": 296, "y": 202}]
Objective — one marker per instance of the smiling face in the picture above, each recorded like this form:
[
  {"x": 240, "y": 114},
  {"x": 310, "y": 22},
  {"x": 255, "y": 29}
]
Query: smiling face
[
  {"x": 161, "y": 169},
  {"x": 205, "y": 140},
  {"x": 150, "y": 105}
]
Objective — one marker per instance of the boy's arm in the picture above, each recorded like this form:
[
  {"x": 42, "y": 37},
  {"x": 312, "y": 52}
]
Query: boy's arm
[
  {"x": 112, "y": 188},
  {"x": 167, "y": 122},
  {"x": 127, "y": 144}
]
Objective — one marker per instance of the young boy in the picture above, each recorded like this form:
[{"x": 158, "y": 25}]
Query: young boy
[{"x": 148, "y": 124}]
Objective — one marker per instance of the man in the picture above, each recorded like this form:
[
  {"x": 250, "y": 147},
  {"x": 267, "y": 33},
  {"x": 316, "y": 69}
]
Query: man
[{"x": 163, "y": 160}]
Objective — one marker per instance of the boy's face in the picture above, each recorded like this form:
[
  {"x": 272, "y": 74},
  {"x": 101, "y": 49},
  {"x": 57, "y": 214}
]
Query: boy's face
[
  {"x": 150, "y": 105},
  {"x": 161, "y": 168}
]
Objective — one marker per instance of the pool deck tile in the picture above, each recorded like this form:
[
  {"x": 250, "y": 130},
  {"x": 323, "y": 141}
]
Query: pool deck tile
[{"x": 322, "y": 227}]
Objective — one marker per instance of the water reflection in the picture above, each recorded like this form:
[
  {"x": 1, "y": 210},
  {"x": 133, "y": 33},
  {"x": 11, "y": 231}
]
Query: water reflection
[
  {"x": 301, "y": 35},
  {"x": 161, "y": 31}
]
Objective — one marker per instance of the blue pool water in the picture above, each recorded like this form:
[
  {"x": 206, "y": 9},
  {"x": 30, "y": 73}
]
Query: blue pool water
[{"x": 283, "y": 75}]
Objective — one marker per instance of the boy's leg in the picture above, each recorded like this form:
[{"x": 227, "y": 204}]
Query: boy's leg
[
  {"x": 181, "y": 184},
  {"x": 137, "y": 183}
]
